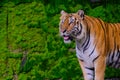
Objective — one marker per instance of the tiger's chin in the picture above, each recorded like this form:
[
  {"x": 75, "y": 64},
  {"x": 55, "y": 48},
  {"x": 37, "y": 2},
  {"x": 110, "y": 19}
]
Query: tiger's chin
[{"x": 67, "y": 41}]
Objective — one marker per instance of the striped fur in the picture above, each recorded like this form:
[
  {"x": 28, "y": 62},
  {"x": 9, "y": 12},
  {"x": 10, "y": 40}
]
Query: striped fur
[{"x": 97, "y": 42}]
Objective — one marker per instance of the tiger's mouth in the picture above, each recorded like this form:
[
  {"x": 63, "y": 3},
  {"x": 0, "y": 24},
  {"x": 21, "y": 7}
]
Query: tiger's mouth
[{"x": 67, "y": 38}]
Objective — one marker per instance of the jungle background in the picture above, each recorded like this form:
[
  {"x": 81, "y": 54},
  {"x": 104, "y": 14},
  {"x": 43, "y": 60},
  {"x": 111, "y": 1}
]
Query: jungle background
[{"x": 30, "y": 45}]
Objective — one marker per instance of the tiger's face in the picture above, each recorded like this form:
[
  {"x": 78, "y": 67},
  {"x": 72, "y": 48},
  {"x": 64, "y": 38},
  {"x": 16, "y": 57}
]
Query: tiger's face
[{"x": 71, "y": 26}]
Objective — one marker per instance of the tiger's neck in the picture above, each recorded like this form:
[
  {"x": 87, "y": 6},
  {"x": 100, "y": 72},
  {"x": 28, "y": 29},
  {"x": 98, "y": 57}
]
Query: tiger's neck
[{"x": 83, "y": 43}]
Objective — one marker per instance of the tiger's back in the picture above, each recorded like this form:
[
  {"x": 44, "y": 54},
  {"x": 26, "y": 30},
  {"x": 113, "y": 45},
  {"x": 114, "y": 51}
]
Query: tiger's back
[{"x": 107, "y": 39}]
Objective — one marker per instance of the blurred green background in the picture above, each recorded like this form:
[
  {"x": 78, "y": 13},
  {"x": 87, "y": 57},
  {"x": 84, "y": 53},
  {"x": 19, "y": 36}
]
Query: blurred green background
[{"x": 30, "y": 45}]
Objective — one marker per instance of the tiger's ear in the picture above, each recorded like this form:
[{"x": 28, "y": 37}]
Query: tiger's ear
[
  {"x": 81, "y": 14},
  {"x": 63, "y": 12}
]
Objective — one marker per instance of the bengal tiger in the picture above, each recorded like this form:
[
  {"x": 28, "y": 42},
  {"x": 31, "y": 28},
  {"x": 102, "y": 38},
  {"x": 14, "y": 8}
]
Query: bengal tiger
[{"x": 97, "y": 42}]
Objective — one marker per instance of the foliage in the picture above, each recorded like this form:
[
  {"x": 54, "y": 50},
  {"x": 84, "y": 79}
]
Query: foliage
[{"x": 31, "y": 48}]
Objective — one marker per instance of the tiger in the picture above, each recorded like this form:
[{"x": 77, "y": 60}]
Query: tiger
[{"x": 97, "y": 42}]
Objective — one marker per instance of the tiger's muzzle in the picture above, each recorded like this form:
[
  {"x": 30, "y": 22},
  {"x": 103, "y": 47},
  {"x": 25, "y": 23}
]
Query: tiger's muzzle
[{"x": 66, "y": 36}]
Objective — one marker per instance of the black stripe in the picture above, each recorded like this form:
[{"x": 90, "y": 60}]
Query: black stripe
[
  {"x": 118, "y": 52},
  {"x": 80, "y": 25},
  {"x": 117, "y": 61},
  {"x": 81, "y": 60},
  {"x": 79, "y": 31},
  {"x": 92, "y": 68},
  {"x": 101, "y": 25},
  {"x": 110, "y": 60},
  {"x": 92, "y": 51},
  {"x": 90, "y": 74},
  {"x": 70, "y": 22},
  {"x": 112, "y": 57},
  {"x": 113, "y": 65},
  {"x": 80, "y": 56},
  {"x": 88, "y": 37},
  {"x": 88, "y": 34},
  {"x": 113, "y": 54},
  {"x": 109, "y": 57},
  {"x": 95, "y": 58},
  {"x": 85, "y": 46}
]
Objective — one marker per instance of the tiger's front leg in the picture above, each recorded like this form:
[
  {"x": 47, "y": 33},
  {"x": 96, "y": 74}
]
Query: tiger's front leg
[
  {"x": 100, "y": 65},
  {"x": 96, "y": 72},
  {"x": 88, "y": 72}
]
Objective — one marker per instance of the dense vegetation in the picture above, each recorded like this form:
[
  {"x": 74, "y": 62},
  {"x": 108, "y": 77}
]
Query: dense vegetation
[{"x": 30, "y": 45}]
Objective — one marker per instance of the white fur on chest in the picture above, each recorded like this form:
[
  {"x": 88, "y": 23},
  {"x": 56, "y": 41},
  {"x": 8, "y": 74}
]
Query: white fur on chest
[{"x": 88, "y": 55}]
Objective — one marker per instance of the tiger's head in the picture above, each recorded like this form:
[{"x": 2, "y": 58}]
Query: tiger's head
[{"x": 72, "y": 26}]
